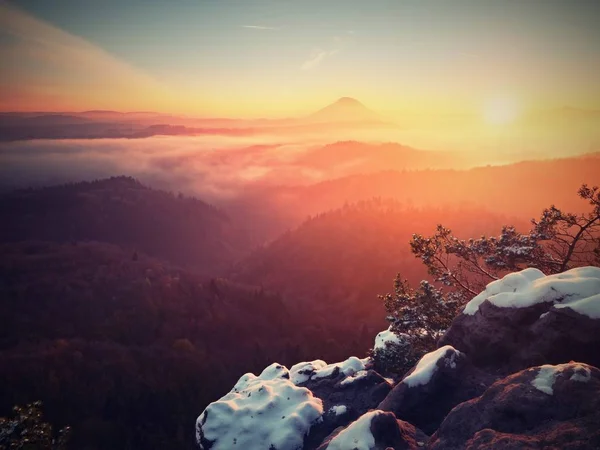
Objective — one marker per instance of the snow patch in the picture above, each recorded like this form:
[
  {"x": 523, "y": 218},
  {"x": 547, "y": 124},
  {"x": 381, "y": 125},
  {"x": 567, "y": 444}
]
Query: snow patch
[
  {"x": 357, "y": 435},
  {"x": 577, "y": 289},
  {"x": 348, "y": 367},
  {"x": 544, "y": 381},
  {"x": 385, "y": 337},
  {"x": 352, "y": 378},
  {"x": 260, "y": 412},
  {"x": 304, "y": 371},
  {"x": 589, "y": 306},
  {"x": 338, "y": 410},
  {"x": 427, "y": 365}
]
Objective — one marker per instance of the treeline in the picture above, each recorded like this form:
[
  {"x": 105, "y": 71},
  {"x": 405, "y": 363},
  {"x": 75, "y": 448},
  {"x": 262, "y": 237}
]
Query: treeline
[
  {"x": 122, "y": 211},
  {"x": 334, "y": 264},
  {"x": 127, "y": 349}
]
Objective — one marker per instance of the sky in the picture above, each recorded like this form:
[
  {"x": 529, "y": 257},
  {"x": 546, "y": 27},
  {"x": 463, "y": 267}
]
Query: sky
[{"x": 281, "y": 58}]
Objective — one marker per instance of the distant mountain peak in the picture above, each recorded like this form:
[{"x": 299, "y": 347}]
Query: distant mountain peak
[
  {"x": 345, "y": 109},
  {"x": 348, "y": 101}
]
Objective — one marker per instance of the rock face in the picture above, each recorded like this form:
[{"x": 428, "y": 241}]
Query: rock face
[
  {"x": 547, "y": 407},
  {"x": 463, "y": 393},
  {"x": 527, "y": 319},
  {"x": 375, "y": 430},
  {"x": 347, "y": 389},
  {"x": 451, "y": 381},
  {"x": 354, "y": 395}
]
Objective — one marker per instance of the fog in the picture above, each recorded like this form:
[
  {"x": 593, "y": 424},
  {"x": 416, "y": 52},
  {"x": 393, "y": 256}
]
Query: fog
[{"x": 220, "y": 167}]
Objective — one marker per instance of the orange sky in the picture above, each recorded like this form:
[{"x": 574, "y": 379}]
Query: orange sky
[{"x": 267, "y": 58}]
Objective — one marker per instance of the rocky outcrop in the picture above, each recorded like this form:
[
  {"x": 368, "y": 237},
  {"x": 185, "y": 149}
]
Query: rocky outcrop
[
  {"x": 528, "y": 319},
  {"x": 345, "y": 398},
  {"x": 463, "y": 393},
  {"x": 547, "y": 407},
  {"x": 451, "y": 380},
  {"x": 376, "y": 430}
]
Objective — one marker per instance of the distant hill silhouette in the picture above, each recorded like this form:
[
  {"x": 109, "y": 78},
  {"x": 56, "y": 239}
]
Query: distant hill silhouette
[
  {"x": 122, "y": 211},
  {"x": 345, "y": 109},
  {"x": 518, "y": 190}
]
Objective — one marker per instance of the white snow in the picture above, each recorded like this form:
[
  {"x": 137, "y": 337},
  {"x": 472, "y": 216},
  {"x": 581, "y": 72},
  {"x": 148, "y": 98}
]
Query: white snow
[
  {"x": 357, "y": 435},
  {"x": 544, "y": 381},
  {"x": 352, "y": 378},
  {"x": 338, "y": 410},
  {"x": 304, "y": 371},
  {"x": 347, "y": 367},
  {"x": 576, "y": 288},
  {"x": 589, "y": 306},
  {"x": 260, "y": 412},
  {"x": 427, "y": 366},
  {"x": 384, "y": 337}
]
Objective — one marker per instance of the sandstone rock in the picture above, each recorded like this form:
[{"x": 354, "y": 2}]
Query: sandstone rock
[
  {"x": 528, "y": 319},
  {"x": 547, "y": 407},
  {"x": 375, "y": 430},
  {"x": 350, "y": 395},
  {"x": 453, "y": 380}
]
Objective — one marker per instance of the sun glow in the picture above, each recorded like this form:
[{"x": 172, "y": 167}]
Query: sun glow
[{"x": 501, "y": 111}]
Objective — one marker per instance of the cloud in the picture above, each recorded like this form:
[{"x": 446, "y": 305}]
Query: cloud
[
  {"x": 316, "y": 57},
  {"x": 259, "y": 27}
]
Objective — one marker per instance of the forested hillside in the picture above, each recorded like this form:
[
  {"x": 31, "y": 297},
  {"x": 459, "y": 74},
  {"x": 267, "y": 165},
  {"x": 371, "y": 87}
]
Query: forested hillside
[
  {"x": 334, "y": 264},
  {"x": 269, "y": 211},
  {"x": 109, "y": 340},
  {"x": 122, "y": 211}
]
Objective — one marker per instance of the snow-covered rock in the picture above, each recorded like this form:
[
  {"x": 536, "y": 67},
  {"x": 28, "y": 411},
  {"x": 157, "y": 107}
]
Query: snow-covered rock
[
  {"x": 528, "y": 287},
  {"x": 352, "y": 378},
  {"x": 441, "y": 380},
  {"x": 375, "y": 430},
  {"x": 357, "y": 435},
  {"x": 428, "y": 364},
  {"x": 350, "y": 384},
  {"x": 304, "y": 371},
  {"x": 540, "y": 407},
  {"x": 544, "y": 381},
  {"x": 528, "y": 319},
  {"x": 262, "y": 412}
]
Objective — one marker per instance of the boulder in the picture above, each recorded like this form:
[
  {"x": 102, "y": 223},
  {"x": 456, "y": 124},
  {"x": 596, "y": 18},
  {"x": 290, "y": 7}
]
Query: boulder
[
  {"x": 346, "y": 394},
  {"x": 547, "y": 407},
  {"x": 527, "y": 319},
  {"x": 376, "y": 430},
  {"x": 441, "y": 380},
  {"x": 264, "y": 412}
]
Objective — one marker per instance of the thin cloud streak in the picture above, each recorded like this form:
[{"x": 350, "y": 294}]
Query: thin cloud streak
[{"x": 259, "y": 27}]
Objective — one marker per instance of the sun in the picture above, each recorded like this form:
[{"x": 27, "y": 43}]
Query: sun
[{"x": 501, "y": 111}]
